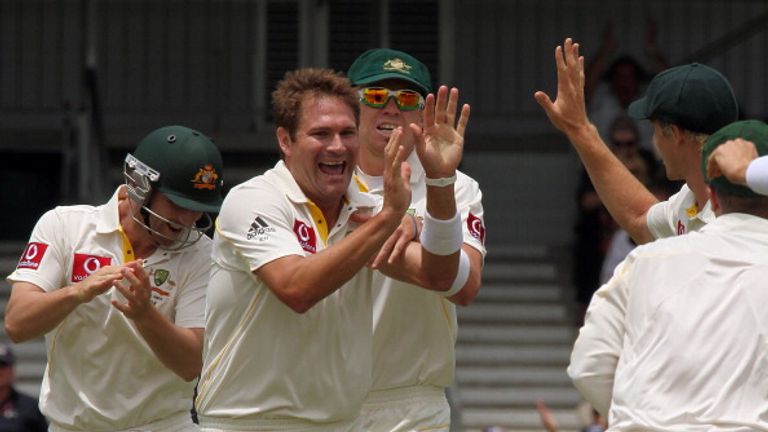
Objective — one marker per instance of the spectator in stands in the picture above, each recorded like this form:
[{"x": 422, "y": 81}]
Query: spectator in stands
[
  {"x": 594, "y": 227},
  {"x": 18, "y": 412},
  {"x": 612, "y": 83}
]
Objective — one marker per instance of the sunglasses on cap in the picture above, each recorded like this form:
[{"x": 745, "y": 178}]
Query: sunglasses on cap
[{"x": 378, "y": 97}]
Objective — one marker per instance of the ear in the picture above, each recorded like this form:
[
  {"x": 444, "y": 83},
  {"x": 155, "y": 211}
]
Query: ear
[
  {"x": 678, "y": 134},
  {"x": 284, "y": 140},
  {"x": 713, "y": 200}
]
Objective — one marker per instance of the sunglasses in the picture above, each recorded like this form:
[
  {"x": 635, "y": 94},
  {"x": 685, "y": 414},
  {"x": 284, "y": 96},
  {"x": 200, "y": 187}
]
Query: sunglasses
[{"x": 378, "y": 97}]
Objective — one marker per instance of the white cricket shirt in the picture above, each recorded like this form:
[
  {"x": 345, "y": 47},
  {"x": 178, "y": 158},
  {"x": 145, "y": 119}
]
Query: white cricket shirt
[
  {"x": 677, "y": 339},
  {"x": 262, "y": 360},
  {"x": 101, "y": 374}
]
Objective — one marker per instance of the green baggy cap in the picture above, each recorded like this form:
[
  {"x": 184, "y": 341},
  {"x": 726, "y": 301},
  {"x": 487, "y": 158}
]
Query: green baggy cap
[
  {"x": 190, "y": 167},
  {"x": 380, "y": 64},
  {"x": 750, "y": 130},
  {"x": 694, "y": 96}
]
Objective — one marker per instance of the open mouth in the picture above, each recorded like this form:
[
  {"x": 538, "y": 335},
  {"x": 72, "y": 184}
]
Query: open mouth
[
  {"x": 333, "y": 168},
  {"x": 386, "y": 128}
]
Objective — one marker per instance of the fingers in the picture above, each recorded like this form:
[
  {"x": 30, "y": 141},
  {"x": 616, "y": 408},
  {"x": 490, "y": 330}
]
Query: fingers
[
  {"x": 544, "y": 101},
  {"x": 429, "y": 111},
  {"x": 397, "y": 250},
  {"x": 441, "y": 107},
  {"x": 463, "y": 120},
  {"x": 713, "y": 169},
  {"x": 386, "y": 249}
]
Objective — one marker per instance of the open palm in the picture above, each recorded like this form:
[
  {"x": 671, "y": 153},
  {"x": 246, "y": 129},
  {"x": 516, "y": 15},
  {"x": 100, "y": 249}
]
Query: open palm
[{"x": 440, "y": 144}]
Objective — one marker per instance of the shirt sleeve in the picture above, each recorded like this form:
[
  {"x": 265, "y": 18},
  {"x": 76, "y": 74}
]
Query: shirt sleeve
[
  {"x": 470, "y": 205},
  {"x": 661, "y": 217},
  {"x": 43, "y": 261},
  {"x": 757, "y": 175},
  {"x": 598, "y": 347},
  {"x": 190, "y": 304},
  {"x": 257, "y": 224}
]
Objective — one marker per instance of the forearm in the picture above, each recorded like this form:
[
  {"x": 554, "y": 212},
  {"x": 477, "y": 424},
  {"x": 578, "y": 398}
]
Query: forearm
[
  {"x": 625, "y": 198},
  {"x": 32, "y": 312},
  {"x": 435, "y": 272},
  {"x": 302, "y": 282},
  {"x": 180, "y": 349}
]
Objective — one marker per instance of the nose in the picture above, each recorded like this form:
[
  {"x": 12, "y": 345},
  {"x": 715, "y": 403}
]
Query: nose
[
  {"x": 337, "y": 144},
  {"x": 187, "y": 217},
  {"x": 391, "y": 107}
]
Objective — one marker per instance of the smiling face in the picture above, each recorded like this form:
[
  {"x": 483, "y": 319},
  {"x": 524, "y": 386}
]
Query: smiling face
[
  {"x": 177, "y": 223},
  {"x": 322, "y": 154},
  {"x": 377, "y": 124}
]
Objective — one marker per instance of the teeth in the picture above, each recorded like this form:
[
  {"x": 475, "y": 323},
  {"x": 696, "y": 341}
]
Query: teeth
[
  {"x": 388, "y": 127},
  {"x": 333, "y": 163}
]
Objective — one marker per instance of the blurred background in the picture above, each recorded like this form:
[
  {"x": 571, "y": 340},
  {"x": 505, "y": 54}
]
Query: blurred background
[{"x": 81, "y": 81}]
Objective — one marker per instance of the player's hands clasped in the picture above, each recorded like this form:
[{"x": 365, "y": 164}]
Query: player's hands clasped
[
  {"x": 97, "y": 283},
  {"x": 440, "y": 144},
  {"x": 136, "y": 289}
]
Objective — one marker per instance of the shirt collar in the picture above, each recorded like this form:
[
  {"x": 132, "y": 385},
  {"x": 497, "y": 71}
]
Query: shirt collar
[{"x": 108, "y": 214}]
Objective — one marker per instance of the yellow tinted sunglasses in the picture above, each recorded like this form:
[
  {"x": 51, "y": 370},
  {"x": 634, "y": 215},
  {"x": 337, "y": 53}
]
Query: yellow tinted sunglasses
[{"x": 377, "y": 97}]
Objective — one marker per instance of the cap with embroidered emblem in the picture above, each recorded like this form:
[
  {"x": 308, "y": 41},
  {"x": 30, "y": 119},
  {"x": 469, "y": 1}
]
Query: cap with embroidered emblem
[
  {"x": 190, "y": 167},
  {"x": 380, "y": 64}
]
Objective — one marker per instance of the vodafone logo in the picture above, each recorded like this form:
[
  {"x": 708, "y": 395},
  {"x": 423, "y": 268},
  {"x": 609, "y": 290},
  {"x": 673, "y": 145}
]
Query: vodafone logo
[
  {"x": 476, "y": 227},
  {"x": 306, "y": 236},
  {"x": 32, "y": 256},
  {"x": 85, "y": 265}
]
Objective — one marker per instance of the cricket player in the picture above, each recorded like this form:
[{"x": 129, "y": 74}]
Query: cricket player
[
  {"x": 414, "y": 323},
  {"x": 685, "y": 104},
  {"x": 288, "y": 323},
  {"x": 118, "y": 291},
  {"x": 675, "y": 341}
]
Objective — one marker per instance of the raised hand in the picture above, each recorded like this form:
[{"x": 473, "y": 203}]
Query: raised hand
[
  {"x": 440, "y": 144},
  {"x": 568, "y": 112},
  {"x": 136, "y": 290},
  {"x": 731, "y": 160},
  {"x": 397, "y": 174}
]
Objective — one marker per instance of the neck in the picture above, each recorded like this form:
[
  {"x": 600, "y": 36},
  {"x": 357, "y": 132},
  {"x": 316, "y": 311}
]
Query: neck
[
  {"x": 695, "y": 181},
  {"x": 330, "y": 212},
  {"x": 371, "y": 164}
]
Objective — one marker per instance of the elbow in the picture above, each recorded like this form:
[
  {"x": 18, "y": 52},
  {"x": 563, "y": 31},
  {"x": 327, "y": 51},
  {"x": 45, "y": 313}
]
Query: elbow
[
  {"x": 14, "y": 331},
  {"x": 298, "y": 301},
  {"x": 470, "y": 290},
  {"x": 190, "y": 373}
]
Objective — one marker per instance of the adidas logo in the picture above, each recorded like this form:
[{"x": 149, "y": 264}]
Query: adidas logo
[{"x": 259, "y": 228}]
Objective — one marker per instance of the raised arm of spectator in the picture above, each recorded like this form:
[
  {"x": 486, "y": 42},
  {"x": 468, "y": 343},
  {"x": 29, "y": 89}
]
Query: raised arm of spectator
[{"x": 624, "y": 196}]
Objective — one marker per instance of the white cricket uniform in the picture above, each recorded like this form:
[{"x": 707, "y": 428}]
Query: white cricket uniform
[
  {"x": 678, "y": 215},
  {"x": 101, "y": 374},
  {"x": 267, "y": 367},
  {"x": 676, "y": 340},
  {"x": 414, "y": 329}
]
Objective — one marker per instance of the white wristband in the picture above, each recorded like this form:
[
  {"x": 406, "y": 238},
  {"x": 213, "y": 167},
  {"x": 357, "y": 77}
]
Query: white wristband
[
  {"x": 757, "y": 175},
  {"x": 461, "y": 276},
  {"x": 441, "y": 237},
  {"x": 440, "y": 182}
]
